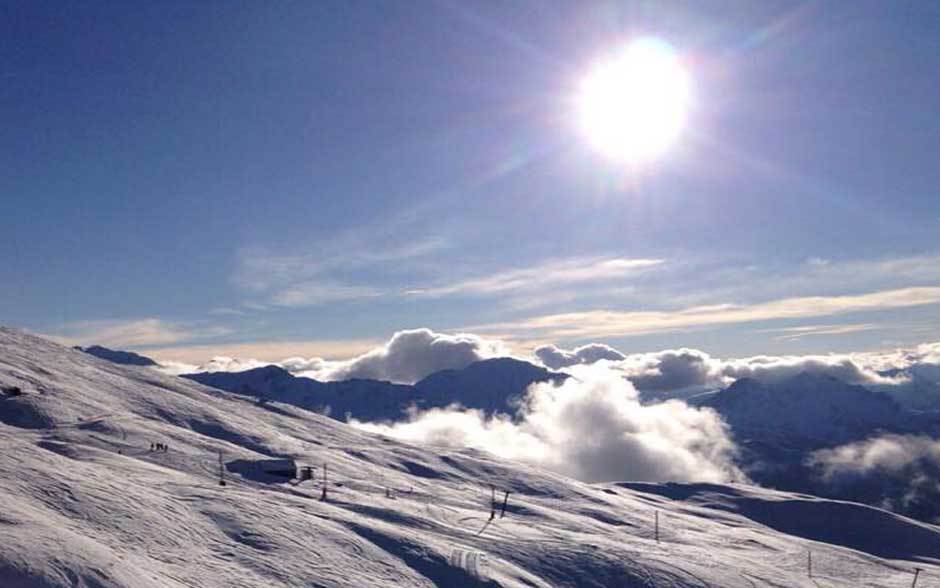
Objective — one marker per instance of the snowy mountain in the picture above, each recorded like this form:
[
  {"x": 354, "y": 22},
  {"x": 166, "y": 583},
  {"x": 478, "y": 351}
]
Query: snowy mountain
[
  {"x": 122, "y": 357},
  {"x": 779, "y": 427},
  {"x": 87, "y": 503},
  {"x": 807, "y": 410},
  {"x": 922, "y": 390},
  {"x": 491, "y": 385}
]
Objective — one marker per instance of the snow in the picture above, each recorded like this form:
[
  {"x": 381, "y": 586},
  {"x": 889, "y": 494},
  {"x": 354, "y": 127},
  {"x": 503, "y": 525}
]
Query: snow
[{"x": 84, "y": 502}]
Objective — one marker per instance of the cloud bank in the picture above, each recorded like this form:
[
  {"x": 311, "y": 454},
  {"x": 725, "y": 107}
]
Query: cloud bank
[
  {"x": 673, "y": 370},
  {"x": 591, "y": 427},
  {"x": 900, "y": 471},
  {"x": 887, "y": 454},
  {"x": 912, "y": 375}
]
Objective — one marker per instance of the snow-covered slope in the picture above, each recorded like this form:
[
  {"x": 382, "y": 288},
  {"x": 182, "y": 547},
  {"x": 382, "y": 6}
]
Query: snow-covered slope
[{"x": 86, "y": 503}]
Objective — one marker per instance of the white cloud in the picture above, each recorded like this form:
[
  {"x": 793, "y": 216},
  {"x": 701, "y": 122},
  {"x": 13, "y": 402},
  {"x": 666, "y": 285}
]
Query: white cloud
[
  {"x": 591, "y": 427},
  {"x": 902, "y": 358},
  {"x": 674, "y": 370},
  {"x": 846, "y": 367},
  {"x": 555, "y": 358},
  {"x": 407, "y": 357},
  {"x": 219, "y": 363},
  {"x": 887, "y": 453},
  {"x": 902, "y": 471}
]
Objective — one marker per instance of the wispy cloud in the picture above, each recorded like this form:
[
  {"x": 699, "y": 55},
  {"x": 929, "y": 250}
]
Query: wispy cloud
[
  {"x": 261, "y": 270},
  {"x": 552, "y": 273},
  {"x": 325, "y": 276},
  {"x": 612, "y": 323},
  {"x": 818, "y": 261},
  {"x": 795, "y": 333},
  {"x": 371, "y": 271},
  {"x": 692, "y": 282},
  {"x": 315, "y": 292},
  {"x": 225, "y": 311},
  {"x": 135, "y": 332}
]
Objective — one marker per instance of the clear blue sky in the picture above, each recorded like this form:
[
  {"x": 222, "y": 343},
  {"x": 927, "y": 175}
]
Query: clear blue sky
[{"x": 208, "y": 173}]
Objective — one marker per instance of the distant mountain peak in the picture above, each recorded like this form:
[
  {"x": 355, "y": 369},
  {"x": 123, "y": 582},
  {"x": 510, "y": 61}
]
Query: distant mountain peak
[
  {"x": 117, "y": 356},
  {"x": 807, "y": 409}
]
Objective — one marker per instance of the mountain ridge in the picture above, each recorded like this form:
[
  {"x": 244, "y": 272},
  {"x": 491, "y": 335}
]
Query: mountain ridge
[{"x": 491, "y": 385}]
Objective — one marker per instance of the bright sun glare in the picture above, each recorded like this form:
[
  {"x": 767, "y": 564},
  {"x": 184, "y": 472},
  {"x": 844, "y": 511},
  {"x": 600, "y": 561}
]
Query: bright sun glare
[{"x": 633, "y": 105}]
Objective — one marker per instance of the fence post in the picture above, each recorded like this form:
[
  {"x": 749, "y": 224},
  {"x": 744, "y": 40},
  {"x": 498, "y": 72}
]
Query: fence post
[
  {"x": 916, "y": 574},
  {"x": 323, "y": 495},
  {"x": 502, "y": 513},
  {"x": 809, "y": 563},
  {"x": 657, "y": 527}
]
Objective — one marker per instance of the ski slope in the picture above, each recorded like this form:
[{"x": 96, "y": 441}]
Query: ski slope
[{"x": 84, "y": 502}]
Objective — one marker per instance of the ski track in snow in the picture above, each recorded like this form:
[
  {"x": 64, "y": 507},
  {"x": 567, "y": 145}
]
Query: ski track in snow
[{"x": 86, "y": 503}]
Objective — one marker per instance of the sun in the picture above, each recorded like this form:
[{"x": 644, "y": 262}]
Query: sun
[{"x": 633, "y": 105}]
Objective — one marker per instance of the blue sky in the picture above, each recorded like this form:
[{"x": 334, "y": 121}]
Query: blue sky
[{"x": 187, "y": 177}]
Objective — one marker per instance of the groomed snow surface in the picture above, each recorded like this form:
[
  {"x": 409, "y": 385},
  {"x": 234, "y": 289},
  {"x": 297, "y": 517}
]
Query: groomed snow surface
[{"x": 85, "y": 502}]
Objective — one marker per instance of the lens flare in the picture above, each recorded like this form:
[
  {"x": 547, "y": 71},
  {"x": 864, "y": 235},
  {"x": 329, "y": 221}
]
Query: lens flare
[{"x": 632, "y": 106}]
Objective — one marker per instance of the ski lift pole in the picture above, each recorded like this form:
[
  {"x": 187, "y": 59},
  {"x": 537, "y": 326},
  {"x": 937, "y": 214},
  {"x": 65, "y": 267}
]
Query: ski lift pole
[
  {"x": 221, "y": 470},
  {"x": 502, "y": 512}
]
